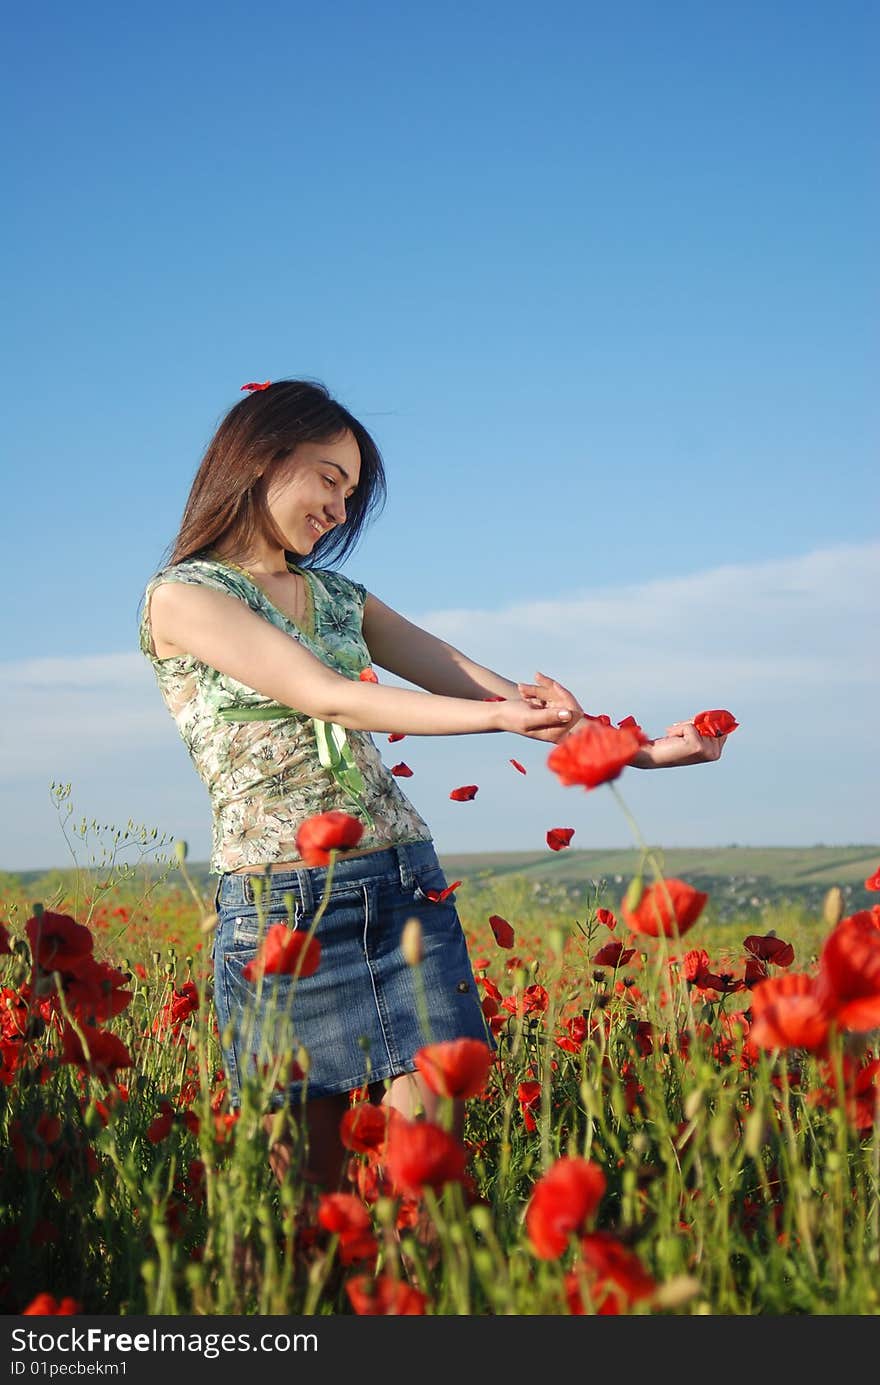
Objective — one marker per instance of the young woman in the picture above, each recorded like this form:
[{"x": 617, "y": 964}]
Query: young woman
[{"x": 259, "y": 650}]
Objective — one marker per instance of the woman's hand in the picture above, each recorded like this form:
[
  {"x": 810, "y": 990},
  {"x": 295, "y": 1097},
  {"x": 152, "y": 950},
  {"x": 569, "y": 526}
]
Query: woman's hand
[
  {"x": 542, "y": 721},
  {"x": 682, "y": 745},
  {"x": 546, "y": 691}
]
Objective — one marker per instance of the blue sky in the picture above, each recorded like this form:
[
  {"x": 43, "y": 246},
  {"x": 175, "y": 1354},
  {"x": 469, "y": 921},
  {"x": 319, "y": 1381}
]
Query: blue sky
[{"x": 601, "y": 280}]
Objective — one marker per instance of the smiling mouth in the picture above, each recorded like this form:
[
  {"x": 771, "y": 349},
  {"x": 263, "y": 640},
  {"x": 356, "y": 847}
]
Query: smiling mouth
[{"x": 316, "y": 525}]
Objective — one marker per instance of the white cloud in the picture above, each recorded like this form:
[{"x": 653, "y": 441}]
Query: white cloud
[{"x": 789, "y": 646}]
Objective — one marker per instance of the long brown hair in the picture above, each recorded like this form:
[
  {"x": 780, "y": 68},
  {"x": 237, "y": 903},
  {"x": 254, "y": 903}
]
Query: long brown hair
[{"x": 227, "y": 500}]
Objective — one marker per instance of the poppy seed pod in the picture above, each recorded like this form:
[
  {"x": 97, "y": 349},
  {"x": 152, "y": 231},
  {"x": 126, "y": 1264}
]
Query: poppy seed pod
[
  {"x": 411, "y": 942},
  {"x": 832, "y": 906}
]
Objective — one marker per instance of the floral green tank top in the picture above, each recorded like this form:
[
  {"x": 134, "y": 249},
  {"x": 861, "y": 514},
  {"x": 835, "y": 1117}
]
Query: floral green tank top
[{"x": 266, "y": 767}]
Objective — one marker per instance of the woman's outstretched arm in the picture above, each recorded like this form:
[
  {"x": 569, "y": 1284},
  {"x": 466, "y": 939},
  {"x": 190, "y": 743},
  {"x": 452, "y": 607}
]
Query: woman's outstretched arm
[
  {"x": 682, "y": 744},
  {"x": 221, "y": 631}
]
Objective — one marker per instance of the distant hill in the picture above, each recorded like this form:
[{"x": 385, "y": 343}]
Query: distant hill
[
  {"x": 740, "y": 880},
  {"x": 798, "y": 866}
]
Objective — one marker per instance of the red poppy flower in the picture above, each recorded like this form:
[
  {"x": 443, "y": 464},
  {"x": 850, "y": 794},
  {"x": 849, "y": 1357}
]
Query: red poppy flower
[
  {"x": 563, "y": 1200},
  {"x": 559, "y": 837},
  {"x": 457, "y": 1068},
  {"x": 611, "y": 1274},
  {"x": 4, "y": 940},
  {"x": 695, "y": 964},
  {"x": 533, "y": 1001},
  {"x": 46, "y": 1306},
  {"x": 595, "y": 754},
  {"x": 613, "y": 954},
  {"x": 106, "y": 1052},
  {"x": 161, "y": 1126},
  {"x": 522, "y": 769},
  {"x": 628, "y": 724},
  {"x": 384, "y": 1297},
  {"x": 438, "y": 896},
  {"x": 528, "y": 1094},
  {"x": 605, "y": 916},
  {"x": 57, "y": 942},
  {"x": 364, "y": 1128},
  {"x": 396, "y": 736},
  {"x": 421, "y": 1155},
  {"x": 504, "y": 934},
  {"x": 848, "y": 983},
  {"x": 401, "y": 771},
  {"x": 253, "y": 386},
  {"x": 96, "y": 992},
  {"x": 283, "y": 952},
  {"x": 715, "y": 723},
  {"x": 786, "y": 1013},
  {"x": 873, "y": 881},
  {"x": 326, "y": 832},
  {"x": 367, "y": 675},
  {"x": 652, "y": 914},
  {"x": 343, "y": 1213},
  {"x": 465, "y": 793},
  {"x": 768, "y": 948}
]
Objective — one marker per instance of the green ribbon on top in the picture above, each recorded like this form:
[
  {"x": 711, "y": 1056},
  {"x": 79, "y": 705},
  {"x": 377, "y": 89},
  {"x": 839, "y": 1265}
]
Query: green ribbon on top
[{"x": 334, "y": 751}]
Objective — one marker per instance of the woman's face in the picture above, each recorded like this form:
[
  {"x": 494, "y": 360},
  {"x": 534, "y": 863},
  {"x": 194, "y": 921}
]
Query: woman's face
[{"x": 307, "y": 494}]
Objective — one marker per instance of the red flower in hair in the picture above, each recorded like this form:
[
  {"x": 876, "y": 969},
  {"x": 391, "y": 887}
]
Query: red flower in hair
[
  {"x": 715, "y": 723},
  {"x": 465, "y": 793},
  {"x": 253, "y": 386},
  {"x": 283, "y": 952},
  {"x": 559, "y": 837},
  {"x": 504, "y": 934},
  {"x": 420, "y": 1155},
  {"x": 563, "y": 1200},
  {"x": 384, "y": 1297},
  {"x": 326, "y": 832},
  {"x": 652, "y": 914},
  {"x": 457, "y": 1068},
  {"x": 595, "y": 754}
]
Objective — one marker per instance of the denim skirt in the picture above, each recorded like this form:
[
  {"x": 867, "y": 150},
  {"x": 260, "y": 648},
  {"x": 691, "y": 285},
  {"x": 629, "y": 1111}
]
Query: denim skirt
[{"x": 365, "y": 1012}]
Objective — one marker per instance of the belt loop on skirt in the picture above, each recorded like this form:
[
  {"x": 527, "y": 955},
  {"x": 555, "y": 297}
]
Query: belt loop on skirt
[
  {"x": 403, "y": 864},
  {"x": 306, "y": 891},
  {"x": 248, "y": 890}
]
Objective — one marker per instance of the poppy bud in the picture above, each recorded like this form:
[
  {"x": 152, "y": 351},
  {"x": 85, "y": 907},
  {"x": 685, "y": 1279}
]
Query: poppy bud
[
  {"x": 832, "y": 907},
  {"x": 180, "y": 850},
  {"x": 411, "y": 942}
]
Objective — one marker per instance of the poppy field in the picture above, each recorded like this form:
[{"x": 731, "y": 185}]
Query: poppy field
[{"x": 669, "y": 1116}]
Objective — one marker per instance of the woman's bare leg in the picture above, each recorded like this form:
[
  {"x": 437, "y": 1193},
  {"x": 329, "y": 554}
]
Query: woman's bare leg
[
  {"x": 326, "y": 1157},
  {"x": 412, "y": 1097}
]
